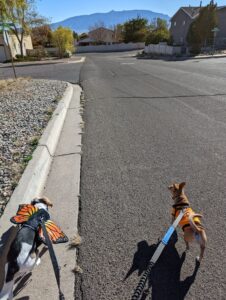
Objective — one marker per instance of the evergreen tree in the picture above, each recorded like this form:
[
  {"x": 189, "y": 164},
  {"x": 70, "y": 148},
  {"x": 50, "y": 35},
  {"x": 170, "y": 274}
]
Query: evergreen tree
[
  {"x": 159, "y": 34},
  {"x": 200, "y": 33},
  {"x": 135, "y": 30}
]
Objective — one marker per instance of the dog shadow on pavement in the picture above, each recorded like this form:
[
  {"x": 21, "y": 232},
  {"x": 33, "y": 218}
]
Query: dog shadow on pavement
[
  {"x": 22, "y": 282},
  {"x": 164, "y": 281}
]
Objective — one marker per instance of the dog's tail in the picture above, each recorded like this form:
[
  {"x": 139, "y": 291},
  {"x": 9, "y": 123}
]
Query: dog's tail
[{"x": 192, "y": 223}]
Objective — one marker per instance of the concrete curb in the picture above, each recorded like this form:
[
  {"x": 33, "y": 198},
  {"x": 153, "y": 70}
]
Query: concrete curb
[
  {"x": 34, "y": 177},
  {"x": 44, "y": 62},
  {"x": 180, "y": 58}
]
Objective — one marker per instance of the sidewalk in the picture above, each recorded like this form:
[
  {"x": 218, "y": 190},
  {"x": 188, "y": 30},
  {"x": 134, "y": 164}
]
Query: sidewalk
[{"x": 63, "y": 188}]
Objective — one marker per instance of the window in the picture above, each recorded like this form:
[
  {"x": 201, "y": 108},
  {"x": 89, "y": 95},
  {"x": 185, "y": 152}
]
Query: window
[
  {"x": 184, "y": 23},
  {"x": 181, "y": 39},
  {"x": 175, "y": 23}
]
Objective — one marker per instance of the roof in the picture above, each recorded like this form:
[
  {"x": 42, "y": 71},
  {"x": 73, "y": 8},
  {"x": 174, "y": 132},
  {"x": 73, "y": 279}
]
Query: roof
[
  {"x": 101, "y": 28},
  {"x": 86, "y": 40},
  {"x": 193, "y": 11}
]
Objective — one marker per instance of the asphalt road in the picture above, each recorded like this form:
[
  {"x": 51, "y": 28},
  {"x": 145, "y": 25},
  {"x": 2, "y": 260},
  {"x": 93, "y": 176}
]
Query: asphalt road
[
  {"x": 147, "y": 124},
  {"x": 67, "y": 71}
]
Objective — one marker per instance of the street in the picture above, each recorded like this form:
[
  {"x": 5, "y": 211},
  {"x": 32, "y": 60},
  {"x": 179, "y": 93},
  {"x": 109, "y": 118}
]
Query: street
[
  {"x": 149, "y": 123},
  {"x": 56, "y": 70}
]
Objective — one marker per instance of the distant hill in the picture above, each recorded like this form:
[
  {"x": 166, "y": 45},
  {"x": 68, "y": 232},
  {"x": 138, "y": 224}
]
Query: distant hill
[{"x": 83, "y": 23}]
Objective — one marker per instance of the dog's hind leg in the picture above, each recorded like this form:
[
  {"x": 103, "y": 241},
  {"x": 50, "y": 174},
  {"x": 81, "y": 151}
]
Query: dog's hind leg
[
  {"x": 32, "y": 261},
  {"x": 203, "y": 240}
]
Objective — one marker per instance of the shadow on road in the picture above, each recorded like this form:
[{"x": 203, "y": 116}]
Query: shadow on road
[{"x": 164, "y": 281}]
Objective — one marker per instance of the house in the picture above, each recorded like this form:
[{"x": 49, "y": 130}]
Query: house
[
  {"x": 98, "y": 36},
  {"x": 86, "y": 42},
  {"x": 14, "y": 46},
  {"x": 183, "y": 18}
]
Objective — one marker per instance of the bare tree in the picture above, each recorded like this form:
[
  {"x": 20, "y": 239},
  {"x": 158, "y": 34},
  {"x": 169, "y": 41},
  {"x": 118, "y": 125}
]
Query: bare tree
[
  {"x": 118, "y": 33},
  {"x": 98, "y": 32}
]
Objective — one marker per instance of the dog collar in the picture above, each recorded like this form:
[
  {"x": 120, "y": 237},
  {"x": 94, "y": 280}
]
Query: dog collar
[
  {"x": 29, "y": 226},
  {"x": 183, "y": 205}
]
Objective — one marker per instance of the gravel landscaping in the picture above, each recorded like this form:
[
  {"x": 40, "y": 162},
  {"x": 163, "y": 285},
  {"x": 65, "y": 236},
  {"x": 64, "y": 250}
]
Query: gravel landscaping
[{"x": 25, "y": 109}]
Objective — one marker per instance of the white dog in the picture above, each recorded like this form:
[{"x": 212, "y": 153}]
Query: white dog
[{"x": 23, "y": 254}]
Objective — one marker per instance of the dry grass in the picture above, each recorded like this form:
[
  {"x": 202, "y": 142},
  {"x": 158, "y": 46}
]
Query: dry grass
[
  {"x": 75, "y": 241},
  {"x": 9, "y": 84},
  {"x": 77, "y": 270}
]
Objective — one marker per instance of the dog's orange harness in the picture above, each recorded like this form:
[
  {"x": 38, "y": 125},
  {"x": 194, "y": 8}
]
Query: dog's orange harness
[{"x": 185, "y": 220}]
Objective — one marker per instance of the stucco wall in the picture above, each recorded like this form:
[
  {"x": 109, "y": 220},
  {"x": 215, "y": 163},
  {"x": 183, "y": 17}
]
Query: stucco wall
[
  {"x": 102, "y": 34},
  {"x": 110, "y": 48},
  {"x": 221, "y": 23},
  {"x": 179, "y": 30},
  {"x": 162, "y": 49},
  {"x": 15, "y": 46},
  {"x": 4, "y": 54}
]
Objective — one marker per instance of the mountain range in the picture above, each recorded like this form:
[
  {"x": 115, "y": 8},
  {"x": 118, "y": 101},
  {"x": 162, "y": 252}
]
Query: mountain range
[{"x": 85, "y": 22}]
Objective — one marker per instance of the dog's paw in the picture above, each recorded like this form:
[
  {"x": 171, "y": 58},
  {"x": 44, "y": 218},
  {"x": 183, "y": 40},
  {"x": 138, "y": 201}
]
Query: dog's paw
[{"x": 38, "y": 261}]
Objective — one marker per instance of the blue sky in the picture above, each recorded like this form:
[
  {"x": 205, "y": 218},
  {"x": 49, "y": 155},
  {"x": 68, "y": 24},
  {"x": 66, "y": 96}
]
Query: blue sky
[{"x": 58, "y": 10}]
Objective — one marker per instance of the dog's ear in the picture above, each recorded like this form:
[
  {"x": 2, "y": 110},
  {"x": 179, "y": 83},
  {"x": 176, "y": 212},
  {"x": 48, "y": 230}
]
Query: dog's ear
[
  {"x": 46, "y": 201},
  {"x": 181, "y": 185}
]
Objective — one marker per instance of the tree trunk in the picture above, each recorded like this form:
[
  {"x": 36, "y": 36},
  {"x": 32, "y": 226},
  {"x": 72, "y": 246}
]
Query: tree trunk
[
  {"x": 21, "y": 48},
  {"x": 20, "y": 39},
  {"x": 21, "y": 44}
]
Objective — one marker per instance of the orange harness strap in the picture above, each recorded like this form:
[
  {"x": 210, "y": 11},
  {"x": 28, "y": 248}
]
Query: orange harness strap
[{"x": 185, "y": 220}]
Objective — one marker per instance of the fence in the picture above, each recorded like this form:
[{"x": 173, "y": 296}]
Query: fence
[
  {"x": 110, "y": 48},
  {"x": 51, "y": 51},
  {"x": 162, "y": 49}
]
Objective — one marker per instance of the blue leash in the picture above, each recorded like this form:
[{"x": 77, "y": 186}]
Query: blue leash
[{"x": 138, "y": 291}]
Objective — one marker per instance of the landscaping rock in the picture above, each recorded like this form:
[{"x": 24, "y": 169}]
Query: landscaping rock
[{"x": 25, "y": 109}]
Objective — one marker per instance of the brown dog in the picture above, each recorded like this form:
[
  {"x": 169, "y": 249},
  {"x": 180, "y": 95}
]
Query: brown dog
[{"x": 190, "y": 223}]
